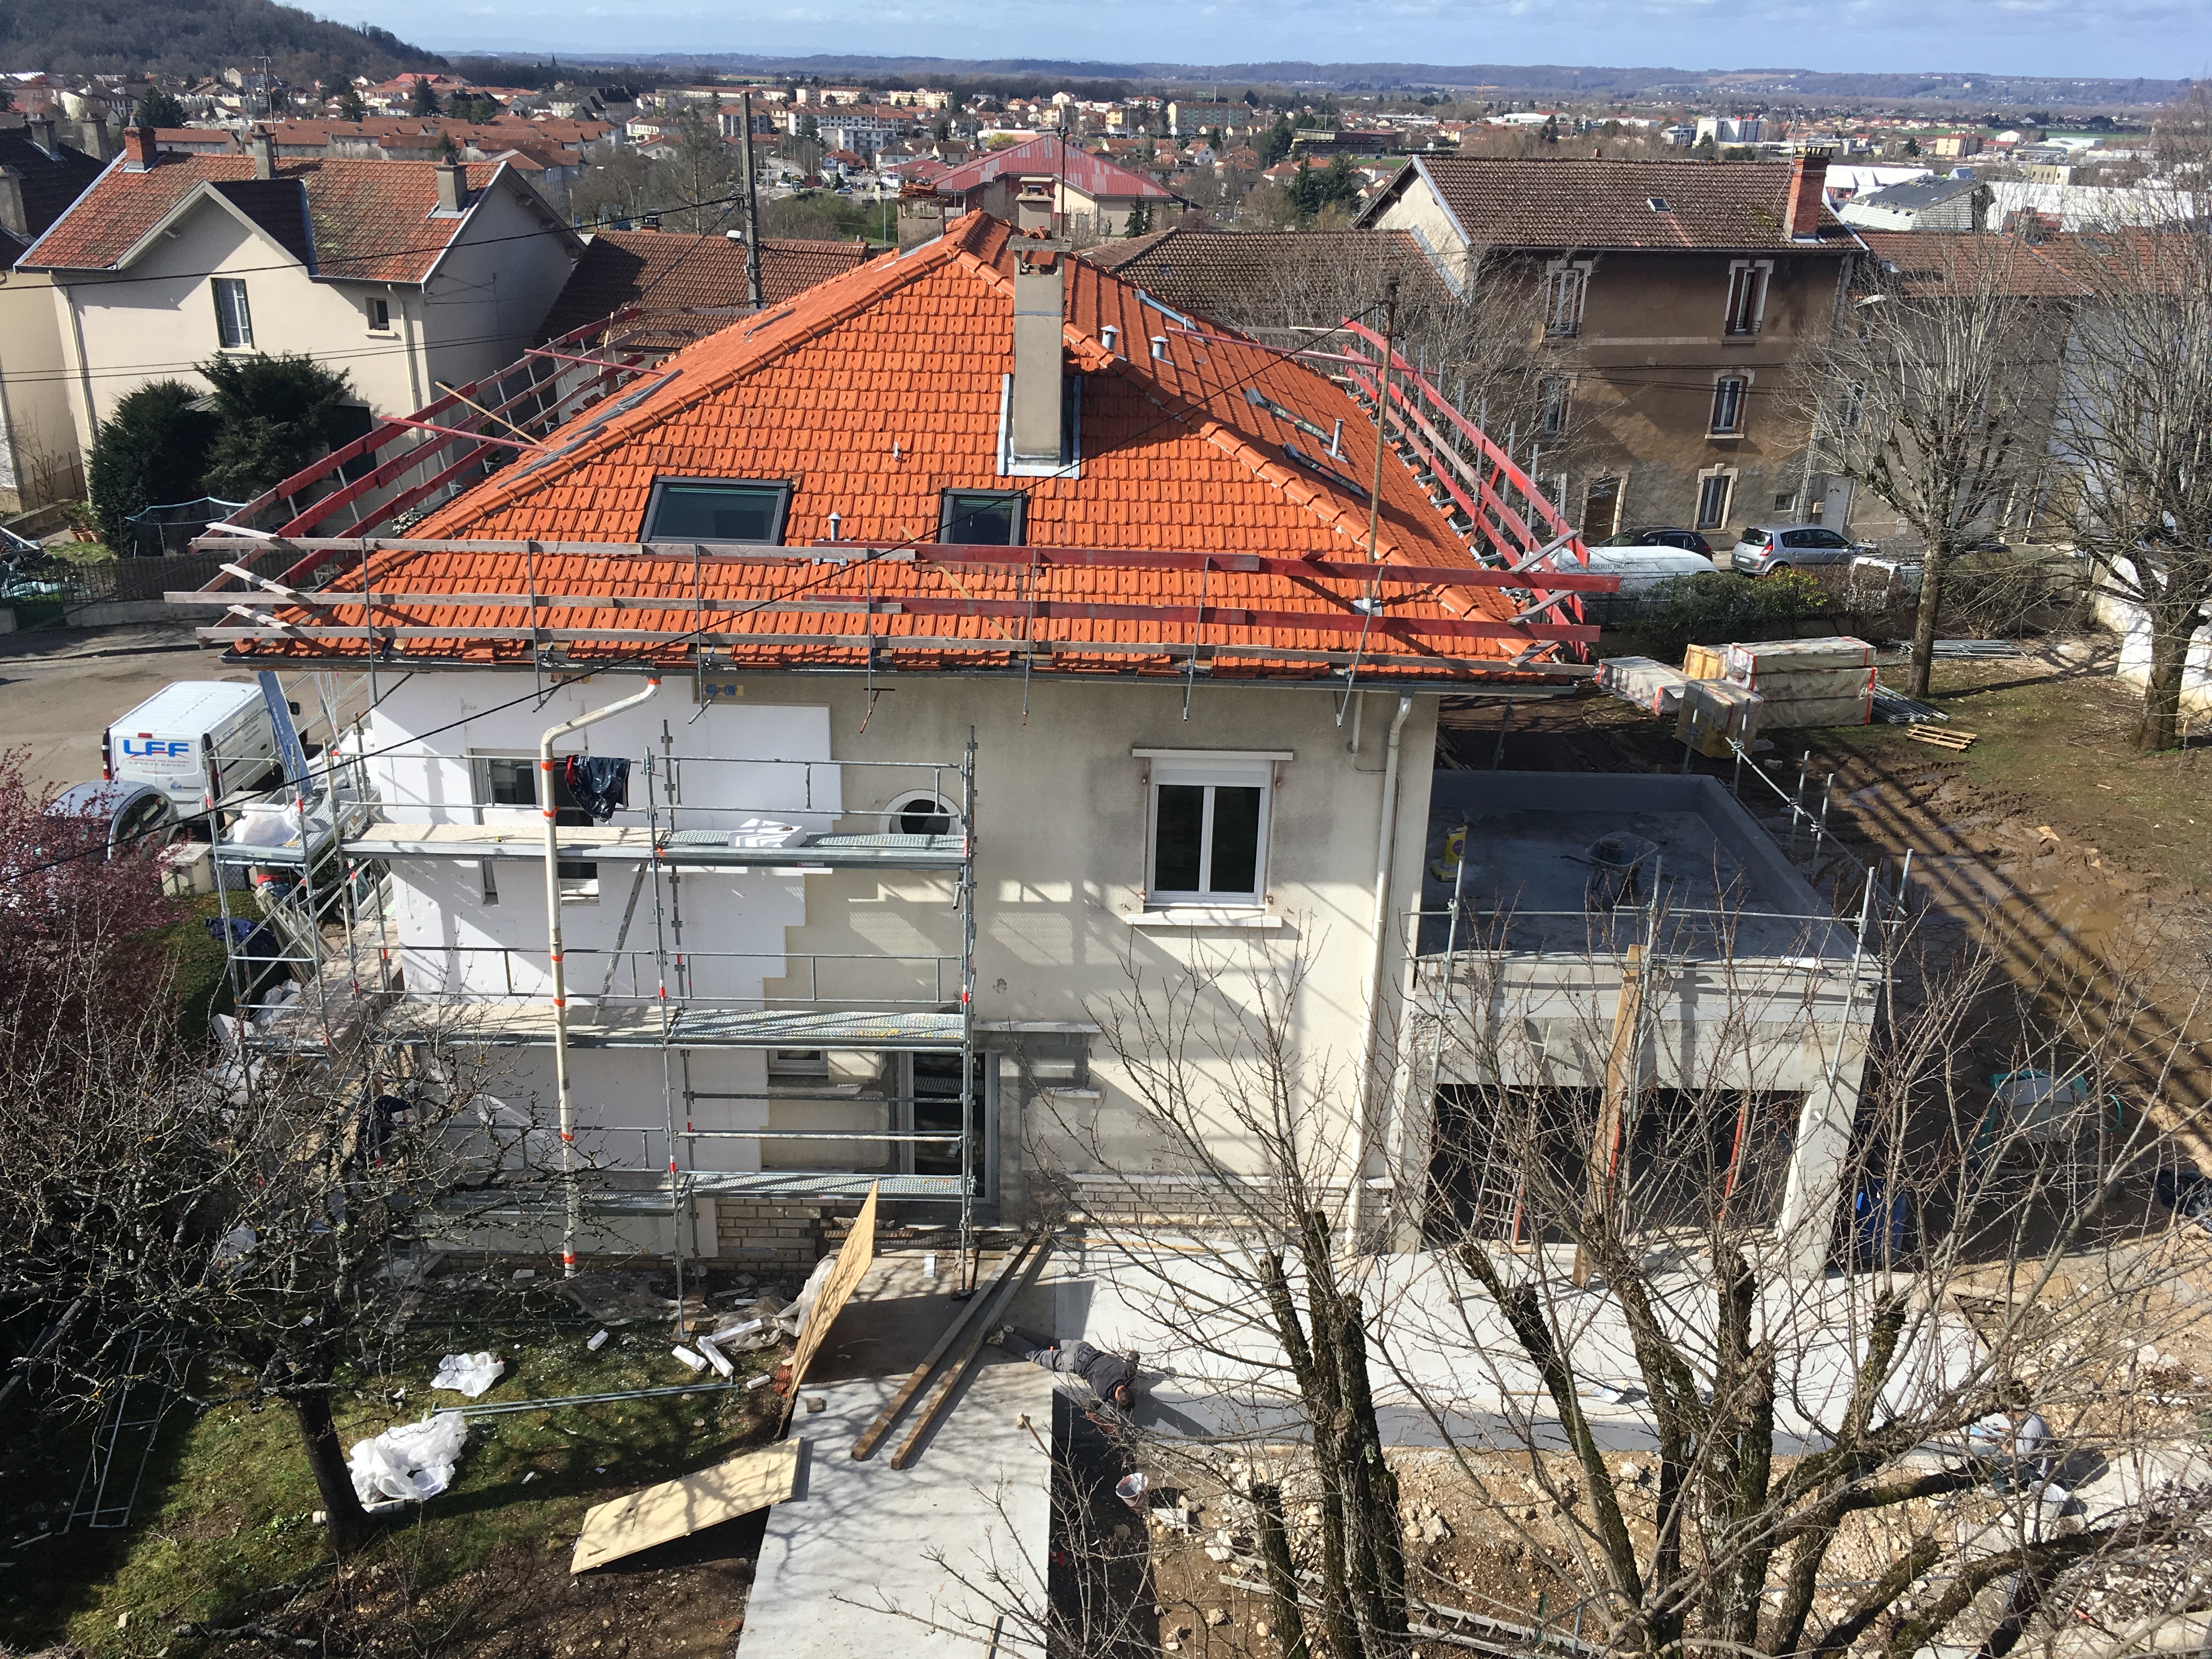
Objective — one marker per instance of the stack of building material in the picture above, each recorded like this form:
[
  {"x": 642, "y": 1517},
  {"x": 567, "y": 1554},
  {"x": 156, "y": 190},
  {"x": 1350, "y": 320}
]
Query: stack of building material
[
  {"x": 1651, "y": 686},
  {"x": 1805, "y": 683},
  {"x": 1717, "y": 713},
  {"x": 1705, "y": 662}
]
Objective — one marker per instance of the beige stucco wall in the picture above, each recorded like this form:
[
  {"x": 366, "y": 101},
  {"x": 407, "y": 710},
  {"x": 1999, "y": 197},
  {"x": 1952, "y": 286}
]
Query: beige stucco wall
[
  {"x": 37, "y": 445},
  {"x": 489, "y": 291}
]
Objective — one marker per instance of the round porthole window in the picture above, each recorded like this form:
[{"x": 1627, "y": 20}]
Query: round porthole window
[{"x": 922, "y": 814}]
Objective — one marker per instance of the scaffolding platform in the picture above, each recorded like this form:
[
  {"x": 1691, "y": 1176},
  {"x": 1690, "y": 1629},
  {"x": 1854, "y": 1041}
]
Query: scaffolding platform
[
  {"x": 529, "y": 1025},
  {"x": 737, "y": 849},
  {"x": 651, "y": 1196}
]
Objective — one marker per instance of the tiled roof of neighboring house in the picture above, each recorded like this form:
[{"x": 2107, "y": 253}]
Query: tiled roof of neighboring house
[
  {"x": 49, "y": 182},
  {"x": 874, "y": 391},
  {"x": 1510, "y": 202},
  {"x": 1257, "y": 279},
  {"x": 1927, "y": 262},
  {"x": 1048, "y": 153},
  {"x": 667, "y": 271},
  {"x": 369, "y": 221}
]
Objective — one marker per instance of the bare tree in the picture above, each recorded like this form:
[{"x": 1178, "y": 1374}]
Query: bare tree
[
  {"x": 221, "y": 1226},
  {"x": 2135, "y": 427},
  {"x": 1695, "y": 1440},
  {"x": 1934, "y": 393}
]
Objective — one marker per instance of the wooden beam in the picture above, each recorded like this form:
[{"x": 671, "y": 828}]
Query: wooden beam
[
  {"x": 971, "y": 1350},
  {"x": 866, "y": 1445}
]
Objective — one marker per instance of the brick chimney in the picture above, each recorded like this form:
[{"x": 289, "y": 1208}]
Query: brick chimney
[
  {"x": 138, "y": 149},
  {"x": 453, "y": 186},
  {"x": 263, "y": 148},
  {"x": 1808, "y": 184},
  {"x": 1040, "y": 357},
  {"x": 1033, "y": 204}
]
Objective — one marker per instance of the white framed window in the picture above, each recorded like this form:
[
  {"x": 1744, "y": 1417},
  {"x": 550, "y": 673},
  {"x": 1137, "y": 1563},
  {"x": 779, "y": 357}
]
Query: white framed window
[
  {"x": 379, "y": 315},
  {"x": 1714, "y": 489},
  {"x": 1729, "y": 393},
  {"x": 1746, "y": 296},
  {"x": 499, "y": 779},
  {"x": 233, "y": 318},
  {"x": 1566, "y": 286},
  {"x": 1206, "y": 840}
]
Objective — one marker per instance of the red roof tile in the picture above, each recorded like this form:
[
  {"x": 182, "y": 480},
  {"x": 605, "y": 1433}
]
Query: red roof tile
[
  {"x": 876, "y": 391},
  {"x": 1094, "y": 175},
  {"x": 370, "y": 220}
]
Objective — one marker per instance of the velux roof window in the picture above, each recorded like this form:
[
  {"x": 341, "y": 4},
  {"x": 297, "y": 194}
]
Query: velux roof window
[{"x": 716, "y": 510}]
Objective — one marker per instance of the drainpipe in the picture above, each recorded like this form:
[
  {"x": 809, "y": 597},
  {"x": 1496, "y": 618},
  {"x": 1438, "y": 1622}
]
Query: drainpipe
[
  {"x": 1371, "y": 1017},
  {"x": 567, "y": 1108}
]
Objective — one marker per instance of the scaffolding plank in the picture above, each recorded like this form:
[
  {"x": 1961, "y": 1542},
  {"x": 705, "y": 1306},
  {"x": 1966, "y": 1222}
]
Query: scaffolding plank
[
  {"x": 676, "y": 1509},
  {"x": 613, "y": 845},
  {"x": 866, "y": 1445},
  {"x": 1001, "y": 1298},
  {"x": 530, "y": 1023}
]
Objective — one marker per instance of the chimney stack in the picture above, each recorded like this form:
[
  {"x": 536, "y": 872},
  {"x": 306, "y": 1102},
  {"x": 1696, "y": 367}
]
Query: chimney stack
[
  {"x": 1040, "y": 306},
  {"x": 13, "y": 218},
  {"x": 263, "y": 148},
  {"x": 1809, "y": 186},
  {"x": 1033, "y": 206},
  {"x": 453, "y": 186},
  {"x": 41, "y": 128},
  {"x": 97, "y": 140},
  {"x": 138, "y": 149}
]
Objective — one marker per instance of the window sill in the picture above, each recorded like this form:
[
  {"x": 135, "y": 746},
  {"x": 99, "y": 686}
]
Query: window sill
[
  {"x": 1724, "y": 437},
  {"x": 1739, "y": 339},
  {"x": 1193, "y": 915},
  {"x": 381, "y": 333}
]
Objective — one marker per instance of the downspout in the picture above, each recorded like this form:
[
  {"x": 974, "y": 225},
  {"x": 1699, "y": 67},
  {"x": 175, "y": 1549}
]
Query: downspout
[
  {"x": 1386, "y": 836},
  {"x": 572, "y": 1225}
]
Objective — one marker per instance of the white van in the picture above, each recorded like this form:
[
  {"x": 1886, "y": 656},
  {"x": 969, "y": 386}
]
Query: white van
[{"x": 194, "y": 740}]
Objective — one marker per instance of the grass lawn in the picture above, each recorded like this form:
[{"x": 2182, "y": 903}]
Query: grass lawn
[{"x": 222, "y": 1532}]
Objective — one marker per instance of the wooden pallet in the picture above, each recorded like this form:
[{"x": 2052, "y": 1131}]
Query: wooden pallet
[{"x": 1942, "y": 736}]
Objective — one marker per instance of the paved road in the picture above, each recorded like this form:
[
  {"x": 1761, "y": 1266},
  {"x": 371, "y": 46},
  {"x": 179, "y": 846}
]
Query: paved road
[{"x": 58, "y": 691}]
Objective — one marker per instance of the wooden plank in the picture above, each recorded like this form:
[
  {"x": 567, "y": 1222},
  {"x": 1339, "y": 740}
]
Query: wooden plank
[
  {"x": 971, "y": 1350},
  {"x": 854, "y": 1257},
  {"x": 676, "y": 1509},
  {"x": 866, "y": 1445}
]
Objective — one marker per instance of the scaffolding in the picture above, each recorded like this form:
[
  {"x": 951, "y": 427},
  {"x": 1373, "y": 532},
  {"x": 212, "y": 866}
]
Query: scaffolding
[{"x": 320, "y": 966}]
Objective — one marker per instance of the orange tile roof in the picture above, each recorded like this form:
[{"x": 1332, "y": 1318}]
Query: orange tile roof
[
  {"x": 371, "y": 220},
  {"x": 872, "y": 392}
]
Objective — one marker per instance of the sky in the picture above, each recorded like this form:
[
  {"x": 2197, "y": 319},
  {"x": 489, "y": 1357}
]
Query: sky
[{"x": 2156, "y": 38}]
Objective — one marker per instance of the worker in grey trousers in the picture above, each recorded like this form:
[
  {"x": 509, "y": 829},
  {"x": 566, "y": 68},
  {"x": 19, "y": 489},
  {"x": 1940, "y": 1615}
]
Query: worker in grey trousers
[{"x": 1112, "y": 1377}]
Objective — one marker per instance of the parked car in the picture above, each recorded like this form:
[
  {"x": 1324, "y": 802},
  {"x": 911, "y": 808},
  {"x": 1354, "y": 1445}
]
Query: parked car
[
  {"x": 1642, "y": 569},
  {"x": 1762, "y": 550},
  {"x": 136, "y": 815},
  {"x": 1663, "y": 535}
]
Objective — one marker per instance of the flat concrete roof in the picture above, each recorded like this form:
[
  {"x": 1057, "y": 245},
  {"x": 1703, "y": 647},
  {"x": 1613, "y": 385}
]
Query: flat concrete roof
[{"x": 1528, "y": 871}]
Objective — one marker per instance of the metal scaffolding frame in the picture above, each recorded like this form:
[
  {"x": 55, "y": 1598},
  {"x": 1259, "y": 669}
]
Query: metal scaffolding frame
[{"x": 318, "y": 852}]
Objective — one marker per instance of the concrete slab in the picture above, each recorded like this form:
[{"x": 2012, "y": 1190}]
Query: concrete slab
[{"x": 865, "y": 1559}]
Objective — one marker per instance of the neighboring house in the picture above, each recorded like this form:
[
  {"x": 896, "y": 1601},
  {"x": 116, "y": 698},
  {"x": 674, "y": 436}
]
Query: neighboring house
[
  {"x": 687, "y": 286},
  {"x": 1085, "y": 194},
  {"x": 403, "y": 274},
  {"x": 1007, "y": 669},
  {"x": 2090, "y": 207},
  {"x": 1272, "y": 282},
  {"x": 1187, "y": 120},
  {"x": 40, "y": 175},
  {"x": 1933, "y": 265},
  {"x": 1685, "y": 298},
  {"x": 1923, "y": 204}
]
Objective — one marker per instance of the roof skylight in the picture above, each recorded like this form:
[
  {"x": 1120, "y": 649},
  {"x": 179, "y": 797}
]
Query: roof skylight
[{"x": 1658, "y": 205}]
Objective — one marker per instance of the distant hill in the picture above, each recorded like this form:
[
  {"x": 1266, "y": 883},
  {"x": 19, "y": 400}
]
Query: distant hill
[
  {"x": 1514, "y": 81},
  {"x": 194, "y": 37}
]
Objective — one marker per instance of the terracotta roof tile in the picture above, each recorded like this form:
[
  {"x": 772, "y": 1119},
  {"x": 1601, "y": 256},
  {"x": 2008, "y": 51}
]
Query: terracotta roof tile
[
  {"x": 371, "y": 221},
  {"x": 1094, "y": 175},
  {"x": 878, "y": 389},
  {"x": 665, "y": 271}
]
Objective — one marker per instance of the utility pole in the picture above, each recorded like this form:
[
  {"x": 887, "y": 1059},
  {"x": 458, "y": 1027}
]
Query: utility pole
[{"x": 752, "y": 202}]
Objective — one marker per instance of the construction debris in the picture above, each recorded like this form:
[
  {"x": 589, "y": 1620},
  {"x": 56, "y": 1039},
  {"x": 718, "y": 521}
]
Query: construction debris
[
  {"x": 408, "y": 1464},
  {"x": 470, "y": 1375},
  {"x": 1953, "y": 740},
  {"x": 898, "y": 1402},
  {"x": 676, "y": 1509},
  {"x": 1895, "y": 708},
  {"x": 1977, "y": 648}
]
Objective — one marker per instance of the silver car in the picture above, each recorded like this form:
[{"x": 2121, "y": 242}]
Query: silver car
[{"x": 1765, "y": 548}]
